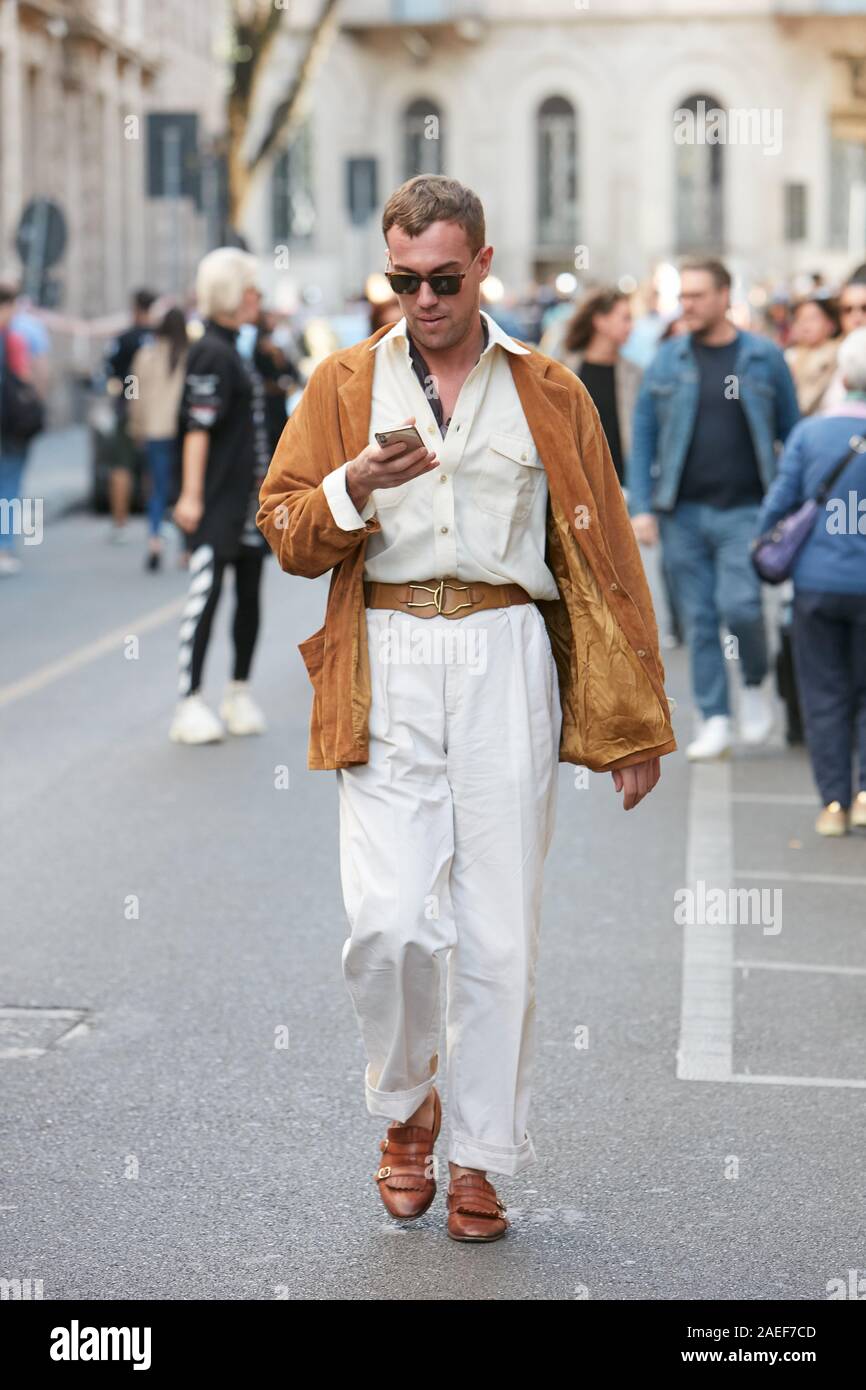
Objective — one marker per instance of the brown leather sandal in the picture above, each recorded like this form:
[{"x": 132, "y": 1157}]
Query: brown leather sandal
[
  {"x": 404, "y": 1185},
  {"x": 474, "y": 1210}
]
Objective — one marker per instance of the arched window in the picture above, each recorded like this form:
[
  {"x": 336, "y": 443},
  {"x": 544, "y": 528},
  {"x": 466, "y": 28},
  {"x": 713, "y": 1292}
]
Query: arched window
[
  {"x": 556, "y": 163},
  {"x": 422, "y": 138},
  {"x": 698, "y": 194}
]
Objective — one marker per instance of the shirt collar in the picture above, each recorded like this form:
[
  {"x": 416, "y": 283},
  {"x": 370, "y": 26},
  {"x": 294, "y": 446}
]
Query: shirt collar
[{"x": 495, "y": 334}]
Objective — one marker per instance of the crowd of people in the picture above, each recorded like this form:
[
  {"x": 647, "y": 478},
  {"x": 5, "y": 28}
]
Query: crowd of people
[
  {"x": 722, "y": 435},
  {"x": 716, "y": 433}
]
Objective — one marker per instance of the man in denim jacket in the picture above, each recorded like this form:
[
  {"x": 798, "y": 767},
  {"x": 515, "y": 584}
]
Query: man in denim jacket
[{"x": 714, "y": 405}]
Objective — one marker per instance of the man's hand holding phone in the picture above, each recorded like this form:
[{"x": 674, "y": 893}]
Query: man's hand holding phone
[{"x": 389, "y": 464}]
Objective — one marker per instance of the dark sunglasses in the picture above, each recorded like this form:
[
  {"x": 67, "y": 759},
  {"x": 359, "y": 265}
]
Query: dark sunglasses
[{"x": 449, "y": 282}]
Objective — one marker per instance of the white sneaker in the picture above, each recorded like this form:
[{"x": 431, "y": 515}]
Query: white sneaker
[
  {"x": 9, "y": 564},
  {"x": 240, "y": 711},
  {"x": 194, "y": 722},
  {"x": 118, "y": 535},
  {"x": 756, "y": 714},
  {"x": 713, "y": 741}
]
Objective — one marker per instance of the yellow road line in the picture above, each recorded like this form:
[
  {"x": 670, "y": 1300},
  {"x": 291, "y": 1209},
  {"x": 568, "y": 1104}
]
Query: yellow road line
[{"x": 82, "y": 656}]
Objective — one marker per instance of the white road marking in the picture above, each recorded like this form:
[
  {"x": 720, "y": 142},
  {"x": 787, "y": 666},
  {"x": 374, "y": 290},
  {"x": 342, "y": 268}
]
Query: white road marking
[
  {"x": 796, "y": 965},
  {"x": 55, "y": 670},
  {"x": 845, "y": 880},
  {"x": 76, "y": 1018},
  {"x": 800, "y": 1080},
  {"x": 36, "y": 1011},
  {"x": 705, "y": 1051},
  {"x": 774, "y": 799}
]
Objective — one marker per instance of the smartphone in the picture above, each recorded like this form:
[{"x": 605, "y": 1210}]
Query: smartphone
[{"x": 407, "y": 434}]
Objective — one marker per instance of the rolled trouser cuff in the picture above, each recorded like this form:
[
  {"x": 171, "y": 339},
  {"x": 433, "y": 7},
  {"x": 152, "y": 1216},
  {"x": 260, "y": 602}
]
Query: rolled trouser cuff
[
  {"x": 396, "y": 1105},
  {"x": 471, "y": 1153}
]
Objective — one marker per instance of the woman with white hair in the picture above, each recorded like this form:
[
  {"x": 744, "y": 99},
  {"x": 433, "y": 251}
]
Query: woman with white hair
[
  {"x": 829, "y": 627},
  {"x": 226, "y": 453}
]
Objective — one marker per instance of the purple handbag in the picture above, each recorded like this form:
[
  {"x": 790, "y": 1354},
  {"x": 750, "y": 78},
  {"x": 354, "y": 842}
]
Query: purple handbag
[{"x": 774, "y": 554}]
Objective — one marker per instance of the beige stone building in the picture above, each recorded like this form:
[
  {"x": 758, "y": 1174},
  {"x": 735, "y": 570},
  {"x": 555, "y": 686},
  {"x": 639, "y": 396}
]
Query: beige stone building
[
  {"x": 632, "y": 129},
  {"x": 565, "y": 115},
  {"x": 109, "y": 109}
]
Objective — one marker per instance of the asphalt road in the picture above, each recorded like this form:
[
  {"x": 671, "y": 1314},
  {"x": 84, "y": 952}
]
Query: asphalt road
[{"x": 158, "y": 1143}]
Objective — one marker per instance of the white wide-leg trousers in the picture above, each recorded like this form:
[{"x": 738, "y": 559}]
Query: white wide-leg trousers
[{"x": 443, "y": 836}]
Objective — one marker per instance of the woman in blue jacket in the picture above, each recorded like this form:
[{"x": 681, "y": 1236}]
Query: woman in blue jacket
[{"x": 829, "y": 627}]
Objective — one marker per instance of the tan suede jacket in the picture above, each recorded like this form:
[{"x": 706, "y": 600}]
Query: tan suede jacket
[{"x": 602, "y": 627}]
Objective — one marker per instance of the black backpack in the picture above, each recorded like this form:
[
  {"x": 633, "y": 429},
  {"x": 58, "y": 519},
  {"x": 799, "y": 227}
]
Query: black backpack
[{"x": 22, "y": 414}]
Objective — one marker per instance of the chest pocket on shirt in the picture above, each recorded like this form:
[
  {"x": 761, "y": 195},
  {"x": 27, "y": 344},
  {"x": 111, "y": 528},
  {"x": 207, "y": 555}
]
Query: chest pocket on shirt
[
  {"x": 510, "y": 476},
  {"x": 385, "y": 497}
]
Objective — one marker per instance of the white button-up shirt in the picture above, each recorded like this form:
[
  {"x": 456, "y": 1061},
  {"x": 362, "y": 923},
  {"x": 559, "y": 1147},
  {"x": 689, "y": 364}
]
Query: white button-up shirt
[{"x": 481, "y": 515}]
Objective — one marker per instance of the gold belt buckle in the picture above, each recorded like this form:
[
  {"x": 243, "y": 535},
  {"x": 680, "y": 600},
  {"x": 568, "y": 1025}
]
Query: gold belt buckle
[{"x": 438, "y": 598}]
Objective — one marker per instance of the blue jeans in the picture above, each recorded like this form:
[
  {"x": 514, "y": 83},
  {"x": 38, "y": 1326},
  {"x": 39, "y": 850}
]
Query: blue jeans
[
  {"x": 830, "y": 655},
  {"x": 707, "y": 555},
  {"x": 11, "y": 474},
  {"x": 160, "y": 460}
]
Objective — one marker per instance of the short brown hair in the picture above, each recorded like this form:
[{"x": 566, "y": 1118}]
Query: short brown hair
[
  {"x": 429, "y": 198},
  {"x": 827, "y": 307},
  {"x": 580, "y": 329},
  {"x": 720, "y": 273}
]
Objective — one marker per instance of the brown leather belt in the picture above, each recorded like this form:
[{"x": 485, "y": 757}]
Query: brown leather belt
[{"x": 449, "y": 598}]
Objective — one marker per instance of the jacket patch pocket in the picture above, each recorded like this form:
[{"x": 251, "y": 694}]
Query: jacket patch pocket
[
  {"x": 510, "y": 476},
  {"x": 313, "y": 652}
]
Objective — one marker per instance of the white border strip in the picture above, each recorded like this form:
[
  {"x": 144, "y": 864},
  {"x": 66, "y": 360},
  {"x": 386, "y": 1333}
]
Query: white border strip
[
  {"x": 783, "y": 876},
  {"x": 774, "y": 798},
  {"x": 705, "y": 1051},
  {"x": 798, "y": 965}
]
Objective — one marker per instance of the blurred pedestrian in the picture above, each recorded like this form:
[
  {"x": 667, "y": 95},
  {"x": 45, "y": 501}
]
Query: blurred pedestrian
[
  {"x": 159, "y": 367},
  {"x": 125, "y": 456},
  {"x": 811, "y": 358},
  {"x": 675, "y": 636},
  {"x": 712, "y": 406},
  {"x": 851, "y": 309},
  {"x": 829, "y": 625},
  {"x": 280, "y": 377},
  {"x": 592, "y": 349},
  {"x": 777, "y": 320},
  {"x": 30, "y": 327},
  {"x": 14, "y": 369},
  {"x": 386, "y": 311},
  {"x": 226, "y": 453},
  {"x": 647, "y": 330},
  {"x": 676, "y": 328}
]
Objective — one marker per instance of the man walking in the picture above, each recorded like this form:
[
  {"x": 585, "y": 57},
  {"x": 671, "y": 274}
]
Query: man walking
[
  {"x": 712, "y": 407},
  {"x": 504, "y": 531}
]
